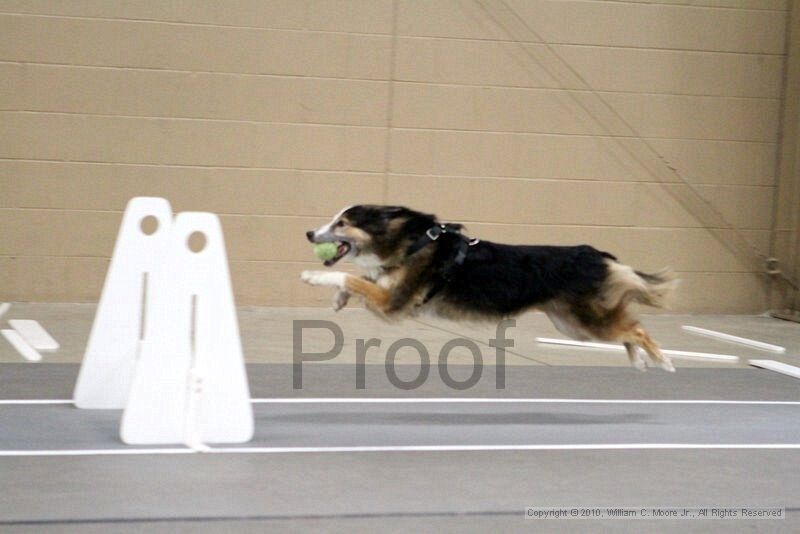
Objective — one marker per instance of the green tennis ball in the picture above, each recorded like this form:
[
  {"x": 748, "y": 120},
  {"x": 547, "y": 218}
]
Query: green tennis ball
[{"x": 325, "y": 251}]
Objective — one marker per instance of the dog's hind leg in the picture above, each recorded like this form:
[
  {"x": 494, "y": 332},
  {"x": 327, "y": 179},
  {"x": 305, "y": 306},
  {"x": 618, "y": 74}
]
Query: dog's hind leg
[
  {"x": 638, "y": 336},
  {"x": 636, "y": 359}
]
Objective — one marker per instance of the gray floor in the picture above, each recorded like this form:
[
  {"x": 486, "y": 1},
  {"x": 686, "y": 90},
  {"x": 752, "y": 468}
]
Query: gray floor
[
  {"x": 327, "y": 424},
  {"x": 442, "y": 491},
  {"x": 267, "y": 336}
]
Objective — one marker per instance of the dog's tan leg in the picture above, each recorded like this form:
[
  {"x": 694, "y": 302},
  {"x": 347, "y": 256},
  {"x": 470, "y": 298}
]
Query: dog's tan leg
[
  {"x": 639, "y": 336},
  {"x": 376, "y": 297},
  {"x": 635, "y": 357}
]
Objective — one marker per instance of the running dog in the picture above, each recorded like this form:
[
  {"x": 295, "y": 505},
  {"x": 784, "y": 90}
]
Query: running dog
[{"x": 412, "y": 263}]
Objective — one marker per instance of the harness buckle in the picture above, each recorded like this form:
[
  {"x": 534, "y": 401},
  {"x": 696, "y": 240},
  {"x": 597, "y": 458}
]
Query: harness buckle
[{"x": 434, "y": 232}]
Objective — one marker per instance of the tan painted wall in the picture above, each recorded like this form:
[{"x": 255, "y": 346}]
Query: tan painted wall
[
  {"x": 786, "y": 237},
  {"x": 275, "y": 114}
]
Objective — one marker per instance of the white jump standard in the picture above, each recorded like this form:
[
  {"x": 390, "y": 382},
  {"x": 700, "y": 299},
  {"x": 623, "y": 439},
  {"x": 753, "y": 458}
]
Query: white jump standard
[{"x": 165, "y": 343}]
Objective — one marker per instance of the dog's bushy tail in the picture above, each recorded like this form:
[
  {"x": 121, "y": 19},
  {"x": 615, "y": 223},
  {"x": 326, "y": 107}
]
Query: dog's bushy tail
[
  {"x": 660, "y": 286},
  {"x": 624, "y": 285}
]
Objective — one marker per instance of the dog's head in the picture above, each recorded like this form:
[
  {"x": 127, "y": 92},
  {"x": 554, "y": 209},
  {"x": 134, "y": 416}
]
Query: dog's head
[{"x": 381, "y": 231}]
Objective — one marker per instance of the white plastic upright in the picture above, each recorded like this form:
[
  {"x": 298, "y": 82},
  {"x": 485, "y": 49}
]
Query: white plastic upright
[
  {"x": 190, "y": 383},
  {"x": 105, "y": 375}
]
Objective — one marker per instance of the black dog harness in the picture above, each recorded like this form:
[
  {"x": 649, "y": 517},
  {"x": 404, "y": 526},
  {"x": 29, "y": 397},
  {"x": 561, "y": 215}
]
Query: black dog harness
[{"x": 432, "y": 234}]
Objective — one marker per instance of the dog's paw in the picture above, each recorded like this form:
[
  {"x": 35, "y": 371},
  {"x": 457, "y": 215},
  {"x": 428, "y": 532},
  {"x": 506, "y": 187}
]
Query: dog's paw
[
  {"x": 324, "y": 278},
  {"x": 666, "y": 364},
  {"x": 309, "y": 276},
  {"x": 340, "y": 299}
]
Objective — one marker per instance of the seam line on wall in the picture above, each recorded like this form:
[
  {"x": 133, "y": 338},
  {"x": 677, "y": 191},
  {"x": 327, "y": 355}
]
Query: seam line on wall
[
  {"x": 367, "y": 34},
  {"x": 366, "y": 173},
  {"x": 381, "y": 81},
  {"x": 650, "y": 3},
  {"x": 378, "y": 127}
]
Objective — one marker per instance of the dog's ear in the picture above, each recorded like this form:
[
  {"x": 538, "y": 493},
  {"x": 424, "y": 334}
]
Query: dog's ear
[
  {"x": 414, "y": 222},
  {"x": 395, "y": 210}
]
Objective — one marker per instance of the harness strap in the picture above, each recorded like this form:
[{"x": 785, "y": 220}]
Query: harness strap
[{"x": 432, "y": 234}]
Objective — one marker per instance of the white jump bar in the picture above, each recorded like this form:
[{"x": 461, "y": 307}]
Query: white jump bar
[
  {"x": 674, "y": 353},
  {"x": 778, "y": 367},
  {"x": 34, "y": 333},
  {"x": 25, "y": 350},
  {"x": 734, "y": 339}
]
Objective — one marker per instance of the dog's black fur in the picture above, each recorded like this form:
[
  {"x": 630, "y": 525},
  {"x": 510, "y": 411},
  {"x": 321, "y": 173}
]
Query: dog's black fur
[{"x": 507, "y": 279}]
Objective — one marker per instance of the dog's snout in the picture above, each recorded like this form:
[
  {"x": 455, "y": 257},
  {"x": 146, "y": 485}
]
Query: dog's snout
[{"x": 310, "y": 235}]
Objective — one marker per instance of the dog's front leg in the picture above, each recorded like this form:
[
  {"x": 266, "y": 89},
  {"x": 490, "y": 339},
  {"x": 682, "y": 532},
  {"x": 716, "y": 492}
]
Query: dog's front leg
[
  {"x": 331, "y": 279},
  {"x": 340, "y": 299},
  {"x": 375, "y": 296}
]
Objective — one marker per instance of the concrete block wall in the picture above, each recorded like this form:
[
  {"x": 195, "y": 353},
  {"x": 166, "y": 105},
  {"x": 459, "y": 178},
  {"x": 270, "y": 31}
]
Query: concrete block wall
[{"x": 277, "y": 113}]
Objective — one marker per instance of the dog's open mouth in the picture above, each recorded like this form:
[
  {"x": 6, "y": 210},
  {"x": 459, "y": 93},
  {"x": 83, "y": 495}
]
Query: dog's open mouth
[{"x": 342, "y": 248}]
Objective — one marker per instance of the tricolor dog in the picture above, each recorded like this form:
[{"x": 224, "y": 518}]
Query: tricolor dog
[{"x": 411, "y": 263}]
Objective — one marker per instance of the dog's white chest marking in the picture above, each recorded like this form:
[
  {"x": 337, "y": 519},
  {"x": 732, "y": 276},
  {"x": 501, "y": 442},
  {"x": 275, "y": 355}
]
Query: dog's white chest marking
[
  {"x": 370, "y": 265},
  {"x": 324, "y": 278},
  {"x": 385, "y": 281}
]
